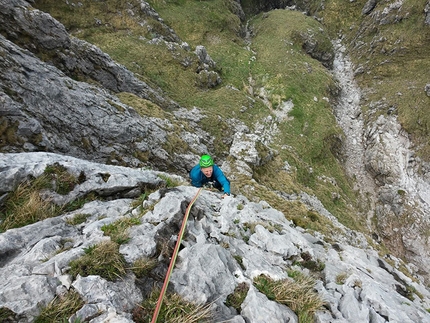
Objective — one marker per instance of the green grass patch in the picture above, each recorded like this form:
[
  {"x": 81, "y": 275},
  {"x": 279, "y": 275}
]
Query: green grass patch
[
  {"x": 118, "y": 230},
  {"x": 78, "y": 218},
  {"x": 139, "y": 201},
  {"x": 144, "y": 107},
  {"x": 102, "y": 259},
  {"x": 26, "y": 205},
  {"x": 58, "y": 179},
  {"x": 170, "y": 181},
  {"x": 393, "y": 55}
]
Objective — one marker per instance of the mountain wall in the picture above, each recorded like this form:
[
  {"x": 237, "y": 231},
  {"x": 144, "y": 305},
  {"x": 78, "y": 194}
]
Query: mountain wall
[{"x": 228, "y": 243}]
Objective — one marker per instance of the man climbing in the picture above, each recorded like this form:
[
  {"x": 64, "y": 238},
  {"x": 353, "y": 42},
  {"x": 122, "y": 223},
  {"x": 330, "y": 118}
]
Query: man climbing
[{"x": 206, "y": 173}]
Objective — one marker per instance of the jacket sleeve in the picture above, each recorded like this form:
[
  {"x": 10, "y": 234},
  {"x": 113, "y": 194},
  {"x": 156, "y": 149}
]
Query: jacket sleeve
[
  {"x": 196, "y": 176},
  {"x": 220, "y": 177}
]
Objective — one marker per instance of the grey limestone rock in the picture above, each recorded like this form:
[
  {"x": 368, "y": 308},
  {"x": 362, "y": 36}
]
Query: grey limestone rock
[{"x": 207, "y": 269}]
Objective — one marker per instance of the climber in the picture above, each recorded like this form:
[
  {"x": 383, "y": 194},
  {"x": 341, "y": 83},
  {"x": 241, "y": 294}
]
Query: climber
[{"x": 207, "y": 174}]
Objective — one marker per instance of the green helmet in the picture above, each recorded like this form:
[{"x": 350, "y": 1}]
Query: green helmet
[{"x": 206, "y": 161}]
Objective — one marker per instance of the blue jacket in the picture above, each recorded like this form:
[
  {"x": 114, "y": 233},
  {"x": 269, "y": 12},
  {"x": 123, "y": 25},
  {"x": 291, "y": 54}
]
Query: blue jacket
[{"x": 198, "y": 179}]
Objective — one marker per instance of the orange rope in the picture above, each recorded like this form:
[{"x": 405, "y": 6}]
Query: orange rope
[{"x": 173, "y": 260}]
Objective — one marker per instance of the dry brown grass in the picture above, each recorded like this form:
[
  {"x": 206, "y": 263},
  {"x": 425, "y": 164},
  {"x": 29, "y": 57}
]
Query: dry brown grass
[
  {"x": 297, "y": 293},
  {"x": 60, "y": 308},
  {"x": 173, "y": 310},
  {"x": 142, "y": 266},
  {"x": 25, "y": 206}
]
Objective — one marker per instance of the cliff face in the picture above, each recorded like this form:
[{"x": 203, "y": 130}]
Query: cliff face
[
  {"x": 229, "y": 244},
  {"x": 62, "y": 95}
]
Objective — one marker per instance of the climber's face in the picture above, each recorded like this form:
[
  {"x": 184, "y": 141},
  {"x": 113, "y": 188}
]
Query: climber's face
[{"x": 207, "y": 171}]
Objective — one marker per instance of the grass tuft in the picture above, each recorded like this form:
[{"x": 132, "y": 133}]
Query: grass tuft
[
  {"x": 61, "y": 308},
  {"x": 169, "y": 181},
  {"x": 174, "y": 309},
  {"x": 7, "y": 315},
  {"x": 25, "y": 206},
  {"x": 118, "y": 231},
  {"x": 236, "y": 298},
  {"x": 143, "y": 266},
  {"x": 298, "y": 294},
  {"x": 59, "y": 179},
  {"x": 78, "y": 218},
  {"x": 103, "y": 259}
]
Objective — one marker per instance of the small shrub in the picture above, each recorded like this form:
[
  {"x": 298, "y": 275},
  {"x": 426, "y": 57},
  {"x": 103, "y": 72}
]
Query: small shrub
[
  {"x": 103, "y": 259},
  {"x": 174, "y": 309},
  {"x": 236, "y": 299},
  {"x": 311, "y": 264},
  {"x": 61, "y": 308}
]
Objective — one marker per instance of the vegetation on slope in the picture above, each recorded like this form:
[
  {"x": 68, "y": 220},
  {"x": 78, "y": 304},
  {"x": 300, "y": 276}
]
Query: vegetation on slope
[
  {"x": 390, "y": 49},
  {"x": 260, "y": 76},
  {"x": 258, "y": 79}
]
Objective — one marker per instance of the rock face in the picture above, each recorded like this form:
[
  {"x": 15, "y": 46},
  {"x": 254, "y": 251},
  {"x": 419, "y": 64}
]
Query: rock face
[
  {"x": 73, "y": 56},
  {"x": 378, "y": 154},
  {"x": 55, "y": 113},
  {"x": 356, "y": 284},
  {"x": 44, "y": 109},
  {"x": 41, "y": 102}
]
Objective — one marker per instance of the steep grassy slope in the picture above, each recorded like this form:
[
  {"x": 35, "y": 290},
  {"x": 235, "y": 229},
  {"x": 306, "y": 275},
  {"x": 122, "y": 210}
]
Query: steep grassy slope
[
  {"x": 390, "y": 49},
  {"x": 258, "y": 79}
]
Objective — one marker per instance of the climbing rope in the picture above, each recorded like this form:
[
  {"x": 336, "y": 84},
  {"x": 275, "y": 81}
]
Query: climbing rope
[{"x": 173, "y": 260}]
